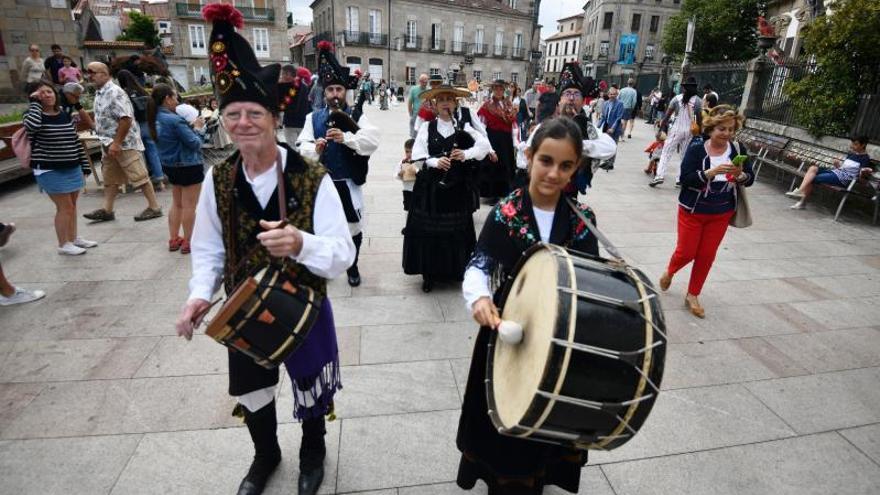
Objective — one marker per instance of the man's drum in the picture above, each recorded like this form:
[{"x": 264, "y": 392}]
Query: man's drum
[
  {"x": 589, "y": 365},
  {"x": 267, "y": 317}
]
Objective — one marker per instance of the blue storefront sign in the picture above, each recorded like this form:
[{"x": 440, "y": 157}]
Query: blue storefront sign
[{"x": 628, "y": 44}]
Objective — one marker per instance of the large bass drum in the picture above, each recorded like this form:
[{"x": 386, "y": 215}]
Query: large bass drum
[{"x": 589, "y": 365}]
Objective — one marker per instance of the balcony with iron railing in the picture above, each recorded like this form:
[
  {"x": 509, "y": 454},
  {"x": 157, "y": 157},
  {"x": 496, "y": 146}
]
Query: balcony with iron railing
[
  {"x": 194, "y": 10},
  {"x": 411, "y": 43},
  {"x": 479, "y": 49},
  {"x": 499, "y": 51},
  {"x": 460, "y": 47},
  {"x": 436, "y": 45},
  {"x": 360, "y": 38},
  {"x": 518, "y": 53}
]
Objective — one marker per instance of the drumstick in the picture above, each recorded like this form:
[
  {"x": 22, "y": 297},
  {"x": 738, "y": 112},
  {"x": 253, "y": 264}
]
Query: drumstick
[{"x": 510, "y": 332}]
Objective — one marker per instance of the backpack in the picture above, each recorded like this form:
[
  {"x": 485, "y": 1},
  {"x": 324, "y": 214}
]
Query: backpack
[{"x": 21, "y": 146}]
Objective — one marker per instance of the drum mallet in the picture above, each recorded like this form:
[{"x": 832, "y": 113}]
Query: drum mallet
[{"x": 510, "y": 332}]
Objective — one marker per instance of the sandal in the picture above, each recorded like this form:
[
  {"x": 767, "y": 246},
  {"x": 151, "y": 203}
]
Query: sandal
[
  {"x": 175, "y": 243},
  {"x": 185, "y": 247}
]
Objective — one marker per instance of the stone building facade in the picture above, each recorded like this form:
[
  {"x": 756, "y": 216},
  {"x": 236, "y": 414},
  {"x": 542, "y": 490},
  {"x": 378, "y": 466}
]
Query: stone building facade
[
  {"x": 265, "y": 27},
  {"x": 23, "y": 22},
  {"x": 623, "y": 37},
  {"x": 458, "y": 39},
  {"x": 563, "y": 46}
]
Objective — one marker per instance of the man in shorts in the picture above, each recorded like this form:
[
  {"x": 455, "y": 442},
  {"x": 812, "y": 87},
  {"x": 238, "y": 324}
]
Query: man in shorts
[
  {"x": 629, "y": 96},
  {"x": 123, "y": 161}
]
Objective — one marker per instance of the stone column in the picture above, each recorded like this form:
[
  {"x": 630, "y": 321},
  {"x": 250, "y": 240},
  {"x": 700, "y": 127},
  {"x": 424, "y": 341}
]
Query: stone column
[{"x": 757, "y": 79}]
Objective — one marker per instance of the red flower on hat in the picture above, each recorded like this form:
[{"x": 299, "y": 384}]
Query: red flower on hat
[
  {"x": 326, "y": 45},
  {"x": 214, "y": 12},
  {"x": 219, "y": 62}
]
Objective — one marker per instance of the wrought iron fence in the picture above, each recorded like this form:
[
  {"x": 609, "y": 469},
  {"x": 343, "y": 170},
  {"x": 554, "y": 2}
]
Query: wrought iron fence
[
  {"x": 774, "y": 104},
  {"x": 728, "y": 79},
  {"x": 867, "y": 122}
]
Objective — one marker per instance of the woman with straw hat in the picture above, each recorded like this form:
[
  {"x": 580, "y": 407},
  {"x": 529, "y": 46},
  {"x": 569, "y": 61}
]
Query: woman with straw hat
[{"x": 439, "y": 235}]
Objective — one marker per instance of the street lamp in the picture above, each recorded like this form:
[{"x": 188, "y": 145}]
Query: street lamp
[{"x": 664, "y": 74}]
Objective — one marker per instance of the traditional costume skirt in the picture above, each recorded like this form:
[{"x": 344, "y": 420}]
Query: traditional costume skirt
[
  {"x": 313, "y": 370},
  {"x": 439, "y": 236},
  {"x": 496, "y": 177},
  {"x": 507, "y": 465}
]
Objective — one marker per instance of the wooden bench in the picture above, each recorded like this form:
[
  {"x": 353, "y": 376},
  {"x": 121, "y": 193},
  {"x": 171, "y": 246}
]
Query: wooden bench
[{"x": 792, "y": 157}]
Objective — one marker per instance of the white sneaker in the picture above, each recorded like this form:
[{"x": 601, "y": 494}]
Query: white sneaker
[
  {"x": 798, "y": 206},
  {"x": 796, "y": 194},
  {"x": 70, "y": 250},
  {"x": 84, "y": 243},
  {"x": 21, "y": 296}
]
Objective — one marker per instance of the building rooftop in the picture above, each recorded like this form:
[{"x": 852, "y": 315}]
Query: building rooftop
[{"x": 568, "y": 34}]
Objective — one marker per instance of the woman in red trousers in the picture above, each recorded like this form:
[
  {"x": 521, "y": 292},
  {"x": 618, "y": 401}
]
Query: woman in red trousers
[{"x": 707, "y": 200}]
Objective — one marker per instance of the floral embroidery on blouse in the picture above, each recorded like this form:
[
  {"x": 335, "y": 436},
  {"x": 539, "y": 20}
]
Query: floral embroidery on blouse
[
  {"x": 507, "y": 214},
  {"x": 579, "y": 230}
]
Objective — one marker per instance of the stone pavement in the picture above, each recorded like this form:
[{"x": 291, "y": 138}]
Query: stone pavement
[{"x": 775, "y": 392}]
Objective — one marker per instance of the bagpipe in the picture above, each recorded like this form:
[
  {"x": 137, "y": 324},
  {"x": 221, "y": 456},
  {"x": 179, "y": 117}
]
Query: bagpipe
[
  {"x": 458, "y": 171},
  {"x": 340, "y": 119}
]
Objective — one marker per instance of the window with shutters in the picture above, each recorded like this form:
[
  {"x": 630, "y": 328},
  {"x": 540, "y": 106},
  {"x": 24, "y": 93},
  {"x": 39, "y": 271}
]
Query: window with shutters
[{"x": 410, "y": 75}]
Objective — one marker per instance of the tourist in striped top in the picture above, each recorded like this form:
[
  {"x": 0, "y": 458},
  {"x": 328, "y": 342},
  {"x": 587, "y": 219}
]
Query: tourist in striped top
[{"x": 57, "y": 158}]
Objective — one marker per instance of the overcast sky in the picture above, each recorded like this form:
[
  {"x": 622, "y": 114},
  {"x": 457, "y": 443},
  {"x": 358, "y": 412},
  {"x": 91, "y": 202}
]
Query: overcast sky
[{"x": 550, "y": 11}]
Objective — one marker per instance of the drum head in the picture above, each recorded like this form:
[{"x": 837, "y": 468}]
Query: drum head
[{"x": 518, "y": 369}]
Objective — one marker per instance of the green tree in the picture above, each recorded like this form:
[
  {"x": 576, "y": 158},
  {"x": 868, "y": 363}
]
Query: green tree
[
  {"x": 140, "y": 28},
  {"x": 725, "y": 30},
  {"x": 845, "y": 48}
]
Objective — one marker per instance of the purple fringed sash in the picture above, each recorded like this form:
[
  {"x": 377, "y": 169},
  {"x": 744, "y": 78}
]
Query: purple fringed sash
[{"x": 314, "y": 368}]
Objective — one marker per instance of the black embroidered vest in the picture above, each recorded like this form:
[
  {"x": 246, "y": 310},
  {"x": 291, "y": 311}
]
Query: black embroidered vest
[{"x": 240, "y": 214}]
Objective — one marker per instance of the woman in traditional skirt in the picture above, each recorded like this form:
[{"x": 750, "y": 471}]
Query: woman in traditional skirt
[
  {"x": 439, "y": 236},
  {"x": 508, "y": 465},
  {"x": 499, "y": 115}
]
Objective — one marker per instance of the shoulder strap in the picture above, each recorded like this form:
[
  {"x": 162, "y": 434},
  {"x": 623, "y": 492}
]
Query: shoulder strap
[{"x": 606, "y": 243}]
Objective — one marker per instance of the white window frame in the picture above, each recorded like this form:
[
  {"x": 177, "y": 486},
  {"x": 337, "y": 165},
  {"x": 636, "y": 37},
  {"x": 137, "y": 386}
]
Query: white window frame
[
  {"x": 517, "y": 41},
  {"x": 375, "y": 16},
  {"x": 434, "y": 71},
  {"x": 412, "y": 33},
  {"x": 164, "y": 27},
  {"x": 410, "y": 75},
  {"x": 352, "y": 19},
  {"x": 197, "y": 41},
  {"x": 458, "y": 37},
  {"x": 496, "y": 75},
  {"x": 436, "y": 35},
  {"x": 198, "y": 71},
  {"x": 261, "y": 35},
  {"x": 478, "y": 75},
  {"x": 514, "y": 77},
  {"x": 479, "y": 35},
  {"x": 499, "y": 42}
]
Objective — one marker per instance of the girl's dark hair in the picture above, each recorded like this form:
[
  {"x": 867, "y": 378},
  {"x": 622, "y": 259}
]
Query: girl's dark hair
[
  {"x": 129, "y": 83},
  {"x": 408, "y": 145},
  {"x": 30, "y": 87},
  {"x": 559, "y": 128},
  {"x": 160, "y": 92}
]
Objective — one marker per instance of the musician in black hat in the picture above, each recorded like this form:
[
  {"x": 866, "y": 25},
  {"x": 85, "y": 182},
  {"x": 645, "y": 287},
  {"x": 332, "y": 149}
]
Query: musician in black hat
[
  {"x": 239, "y": 209},
  {"x": 342, "y": 138},
  {"x": 573, "y": 87}
]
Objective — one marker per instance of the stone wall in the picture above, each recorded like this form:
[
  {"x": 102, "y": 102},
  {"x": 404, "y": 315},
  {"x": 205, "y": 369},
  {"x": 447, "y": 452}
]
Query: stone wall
[
  {"x": 32, "y": 21},
  {"x": 792, "y": 132}
]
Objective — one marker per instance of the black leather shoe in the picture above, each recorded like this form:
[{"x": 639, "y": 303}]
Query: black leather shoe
[
  {"x": 310, "y": 481},
  {"x": 354, "y": 276},
  {"x": 258, "y": 475},
  {"x": 427, "y": 285}
]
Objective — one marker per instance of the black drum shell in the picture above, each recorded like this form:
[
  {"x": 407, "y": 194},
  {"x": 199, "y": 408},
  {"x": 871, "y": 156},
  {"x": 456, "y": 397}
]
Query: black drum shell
[{"x": 588, "y": 376}]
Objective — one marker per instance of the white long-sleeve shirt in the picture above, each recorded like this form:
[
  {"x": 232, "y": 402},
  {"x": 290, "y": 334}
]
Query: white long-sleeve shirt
[
  {"x": 602, "y": 148},
  {"x": 478, "y": 151},
  {"x": 476, "y": 282},
  {"x": 326, "y": 253},
  {"x": 364, "y": 142}
]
